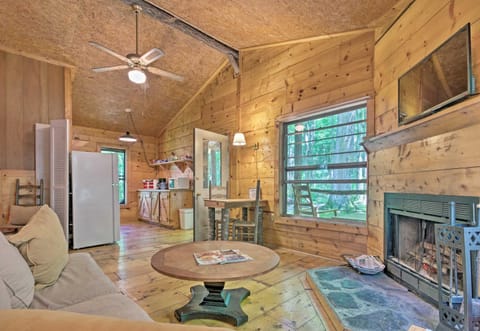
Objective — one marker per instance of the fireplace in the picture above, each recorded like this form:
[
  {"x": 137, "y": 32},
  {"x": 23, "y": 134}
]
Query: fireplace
[{"x": 410, "y": 247}]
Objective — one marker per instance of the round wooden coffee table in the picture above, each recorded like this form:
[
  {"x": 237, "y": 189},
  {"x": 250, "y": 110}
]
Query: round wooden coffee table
[{"x": 212, "y": 300}]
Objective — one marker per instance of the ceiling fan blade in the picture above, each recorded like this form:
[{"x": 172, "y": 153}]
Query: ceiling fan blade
[
  {"x": 109, "y": 51},
  {"x": 164, "y": 73},
  {"x": 151, "y": 56},
  {"x": 112, "y": 68}
]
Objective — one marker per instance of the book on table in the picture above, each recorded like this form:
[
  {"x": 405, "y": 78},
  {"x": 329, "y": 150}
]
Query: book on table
[{"x": 220, "y": 256}]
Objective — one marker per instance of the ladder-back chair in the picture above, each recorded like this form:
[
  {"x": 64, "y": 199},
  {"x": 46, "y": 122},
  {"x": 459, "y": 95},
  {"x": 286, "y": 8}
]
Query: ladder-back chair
[
  {"x": 245, "y": 230},
  {"x": 29, "y": 194},
  {"x": 303, "y": 204}
]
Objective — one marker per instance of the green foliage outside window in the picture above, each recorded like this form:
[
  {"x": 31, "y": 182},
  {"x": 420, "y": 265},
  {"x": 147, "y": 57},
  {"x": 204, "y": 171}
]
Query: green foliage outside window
[{"x": 324, "y": 152}]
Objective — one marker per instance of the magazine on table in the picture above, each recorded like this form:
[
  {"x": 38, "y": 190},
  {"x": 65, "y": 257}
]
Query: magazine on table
[{"x": 220, "y": 256}]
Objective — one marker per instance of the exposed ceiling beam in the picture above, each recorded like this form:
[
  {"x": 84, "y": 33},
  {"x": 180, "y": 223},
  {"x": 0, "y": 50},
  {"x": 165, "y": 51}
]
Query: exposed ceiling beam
[{"x": 177, "y": 23}]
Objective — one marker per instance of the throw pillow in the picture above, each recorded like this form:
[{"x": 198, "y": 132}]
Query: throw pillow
[
  {"x": 15, "y": 276},
  {"x": 20, "y": 215},
  {"x": 42, "y": 243}
]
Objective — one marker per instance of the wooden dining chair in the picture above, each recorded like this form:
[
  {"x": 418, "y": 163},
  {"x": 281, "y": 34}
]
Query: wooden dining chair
[
  {"x": 217, "y": 192},
  {"x": 245, "y": 230}
]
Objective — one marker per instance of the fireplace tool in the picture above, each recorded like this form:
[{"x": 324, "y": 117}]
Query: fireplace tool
[
  {"x": 456, "y": 307},
  {"x": 454, "y": 299}
]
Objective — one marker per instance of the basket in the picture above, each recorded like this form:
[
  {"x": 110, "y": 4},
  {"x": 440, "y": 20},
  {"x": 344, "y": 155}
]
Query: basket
[{"x": 366, "y": 264}]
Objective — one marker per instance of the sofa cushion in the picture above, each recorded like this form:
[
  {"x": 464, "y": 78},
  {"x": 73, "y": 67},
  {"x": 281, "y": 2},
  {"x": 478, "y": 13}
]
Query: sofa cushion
[
  {"x": 15, "y": 275},
  {"x": 43, "y": 245},
  {"x": 41, "y": 320},
  {"x": 113, "y": 305},
  {"x": 5, "y": 301},
  {"x": 81, "y": 280},
  {"x": 20, "y": 215}
]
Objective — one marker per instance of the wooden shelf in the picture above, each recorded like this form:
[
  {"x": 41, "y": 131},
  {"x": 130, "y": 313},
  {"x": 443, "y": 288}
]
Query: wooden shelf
[
  {"x": 182, "y": 164},
  {"x": 458, "y": 116}
]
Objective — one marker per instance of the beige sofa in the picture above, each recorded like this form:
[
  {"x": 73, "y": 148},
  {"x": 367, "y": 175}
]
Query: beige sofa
[{"x": 81, "y": 298}]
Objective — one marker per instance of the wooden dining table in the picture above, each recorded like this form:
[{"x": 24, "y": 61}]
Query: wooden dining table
[
  {"x": 211, "y": 300},
  {"x": 225, "y": 205}
]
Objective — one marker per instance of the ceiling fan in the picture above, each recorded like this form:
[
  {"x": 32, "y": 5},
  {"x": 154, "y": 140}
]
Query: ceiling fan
[{"x": 136, "y": 63}]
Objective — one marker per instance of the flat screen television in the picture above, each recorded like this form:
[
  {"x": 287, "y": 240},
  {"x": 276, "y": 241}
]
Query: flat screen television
[{"x": 442, "y": 78}]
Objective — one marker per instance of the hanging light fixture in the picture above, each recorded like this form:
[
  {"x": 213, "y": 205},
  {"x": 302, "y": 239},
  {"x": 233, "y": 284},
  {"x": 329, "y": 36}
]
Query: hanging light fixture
[
  {"x": 137, "y": 76},
  {"x": 239, "y": 139},
  {"x": 127, "y": 137}
]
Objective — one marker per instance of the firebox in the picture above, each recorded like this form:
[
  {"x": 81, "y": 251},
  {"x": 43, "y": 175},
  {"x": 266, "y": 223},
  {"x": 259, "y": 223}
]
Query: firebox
[{"x": 410, "y": 248}]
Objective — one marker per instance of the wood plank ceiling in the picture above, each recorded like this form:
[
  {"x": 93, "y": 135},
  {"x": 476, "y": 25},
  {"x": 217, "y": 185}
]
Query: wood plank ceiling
[{"x": 59, "y": 31}]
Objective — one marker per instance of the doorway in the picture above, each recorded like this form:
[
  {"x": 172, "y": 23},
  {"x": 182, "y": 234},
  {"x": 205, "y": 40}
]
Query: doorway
[{"x": 211, "y": 176}]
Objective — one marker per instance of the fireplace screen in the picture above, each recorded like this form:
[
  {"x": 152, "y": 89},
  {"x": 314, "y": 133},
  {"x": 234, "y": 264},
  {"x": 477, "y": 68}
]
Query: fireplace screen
[
  {"x": 414, "y": 248},
  {"x": 410, "y": 247}
]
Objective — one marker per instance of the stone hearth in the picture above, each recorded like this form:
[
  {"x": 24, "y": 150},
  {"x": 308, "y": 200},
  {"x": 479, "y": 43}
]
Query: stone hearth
[{"x": 359, "y": 302}]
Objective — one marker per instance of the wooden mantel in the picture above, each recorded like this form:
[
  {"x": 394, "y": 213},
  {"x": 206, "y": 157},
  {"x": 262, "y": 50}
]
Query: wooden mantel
[{"x": 456, "y": 117}]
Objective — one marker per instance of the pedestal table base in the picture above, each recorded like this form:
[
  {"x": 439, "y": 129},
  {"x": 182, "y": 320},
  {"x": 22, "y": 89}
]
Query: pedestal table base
[{"x": 212, "y": 301}]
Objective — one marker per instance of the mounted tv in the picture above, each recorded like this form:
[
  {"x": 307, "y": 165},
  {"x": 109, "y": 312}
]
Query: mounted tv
[{"x": 442, "y": 78}]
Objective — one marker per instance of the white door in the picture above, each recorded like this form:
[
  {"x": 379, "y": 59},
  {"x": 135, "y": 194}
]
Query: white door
[
  {"x": 42, "y": 158},
  {"x": 211, "y": 165},
  {"x": 95, "y": 207},
  {"x": 59, "y": 147}
]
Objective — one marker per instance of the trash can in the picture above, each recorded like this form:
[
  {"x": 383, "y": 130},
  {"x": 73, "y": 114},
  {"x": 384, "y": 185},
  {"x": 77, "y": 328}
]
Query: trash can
[{"x": 186, "y": 218}]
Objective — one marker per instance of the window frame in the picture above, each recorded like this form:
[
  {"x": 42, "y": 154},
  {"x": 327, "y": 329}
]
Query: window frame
[
  {"x": 304, "y": 116},
  {"x": 125, "y": 153}
]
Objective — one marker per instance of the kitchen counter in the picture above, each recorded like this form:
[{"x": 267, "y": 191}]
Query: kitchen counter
[
  {"x": 151, "y": 190},
  {"x": 157, "y": 190}
]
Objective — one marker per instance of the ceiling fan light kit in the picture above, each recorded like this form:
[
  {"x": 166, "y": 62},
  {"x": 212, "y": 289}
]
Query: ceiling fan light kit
[
  {"x": 136, "y": 63},
  {"x": 137, "y": 76}
]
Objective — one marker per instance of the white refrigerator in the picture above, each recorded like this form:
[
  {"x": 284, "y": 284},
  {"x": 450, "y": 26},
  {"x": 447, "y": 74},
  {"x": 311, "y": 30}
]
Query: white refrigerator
[{"x": 95, "y": 213}]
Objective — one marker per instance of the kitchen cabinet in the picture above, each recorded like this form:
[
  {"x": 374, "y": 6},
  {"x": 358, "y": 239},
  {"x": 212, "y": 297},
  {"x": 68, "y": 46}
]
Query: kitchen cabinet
[
  {"x": 178, "y": 199},
  {"x": 148, "y": 205},
  {"x": 161, "y": 206}
]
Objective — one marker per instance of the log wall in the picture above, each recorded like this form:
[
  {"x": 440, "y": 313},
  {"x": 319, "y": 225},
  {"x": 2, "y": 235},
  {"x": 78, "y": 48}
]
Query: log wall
[
  {"x": 91, "y": 140},
  {"x": 279, "y": 81},
  {"x": 447, "y": 162}
]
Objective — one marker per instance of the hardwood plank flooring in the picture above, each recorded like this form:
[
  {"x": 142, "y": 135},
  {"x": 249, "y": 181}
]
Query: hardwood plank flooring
[{"x": 279, "y": 300}]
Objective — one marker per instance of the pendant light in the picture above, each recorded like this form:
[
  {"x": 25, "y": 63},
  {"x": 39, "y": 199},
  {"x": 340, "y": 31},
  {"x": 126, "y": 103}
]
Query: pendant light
[
  {"x": 239, "y": 139},
  {"x": 127, "y": 137}
]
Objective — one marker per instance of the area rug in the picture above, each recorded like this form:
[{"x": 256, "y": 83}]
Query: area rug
[{"x": 369, "y": 302}]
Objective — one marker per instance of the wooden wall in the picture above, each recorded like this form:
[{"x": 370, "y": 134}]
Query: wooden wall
[
  {"x": 91, "y": 140},
  {"x": 448, "y": 162},
  {"x": 31, "y": 92},
  {"x": 279, "y": 81}
]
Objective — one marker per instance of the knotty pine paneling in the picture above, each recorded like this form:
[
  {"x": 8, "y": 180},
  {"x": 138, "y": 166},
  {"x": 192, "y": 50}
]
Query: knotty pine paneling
[
  {"x": 447, "y": 163},
  {"x": 30, "y": 92},
  {"x": 137, "y": 167},
  {"x": 305, "y": 75}
]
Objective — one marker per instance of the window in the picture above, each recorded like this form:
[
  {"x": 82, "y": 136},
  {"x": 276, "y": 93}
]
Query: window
[
  {"x": 122, "y": 162},
  {"x": 325, "y": 166}
]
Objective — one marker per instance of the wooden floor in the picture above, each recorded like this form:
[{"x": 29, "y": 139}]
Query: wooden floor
[{"x": 279, "y": 300}]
